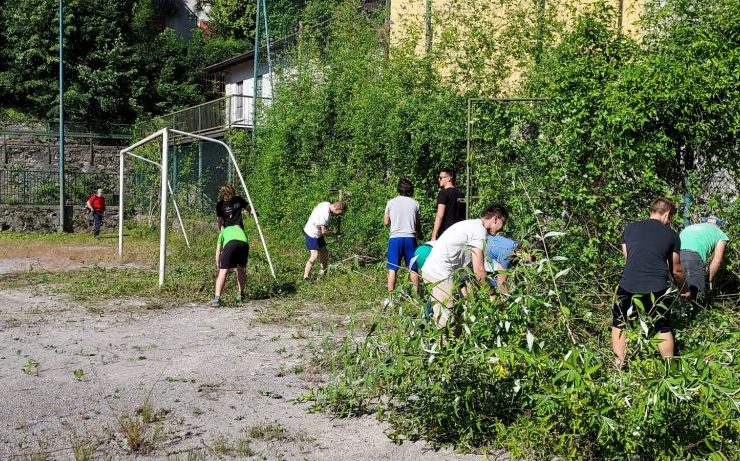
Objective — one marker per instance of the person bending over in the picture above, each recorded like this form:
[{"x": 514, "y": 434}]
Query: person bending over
[
  {"x": 460, "y": 245},
  {"x": 315, "y": 230},
  {"x": 698, "y": 243},
  {"x": 651, "y": 251},
  {"x": 498, "y": 255},
  {"x": 232, "y": 252}
]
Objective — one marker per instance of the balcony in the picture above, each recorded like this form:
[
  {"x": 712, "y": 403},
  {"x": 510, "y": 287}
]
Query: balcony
[{"x": 217, "y": 116}]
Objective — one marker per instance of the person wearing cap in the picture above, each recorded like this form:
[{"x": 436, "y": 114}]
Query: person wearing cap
[
  {"x": 698, "y": 243},
  {"x": 96, "y": 204}
]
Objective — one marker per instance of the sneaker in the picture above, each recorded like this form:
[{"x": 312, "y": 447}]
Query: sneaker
[
  {"x": 387, "y": 302},
  {"x": 216, "y": 302},
  {"x": 241, "y": 298}
]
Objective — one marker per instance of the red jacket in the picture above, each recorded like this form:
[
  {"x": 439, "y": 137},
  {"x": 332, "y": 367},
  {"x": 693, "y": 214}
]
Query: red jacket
[{"x": 97, "y": 203}]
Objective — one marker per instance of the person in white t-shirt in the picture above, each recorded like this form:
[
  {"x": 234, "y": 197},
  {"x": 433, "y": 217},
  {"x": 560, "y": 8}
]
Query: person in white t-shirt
[
  {"x": 403, "y": 217},
  {"x": 315, "y": 230},
  {"x": 460, "y": 245}
]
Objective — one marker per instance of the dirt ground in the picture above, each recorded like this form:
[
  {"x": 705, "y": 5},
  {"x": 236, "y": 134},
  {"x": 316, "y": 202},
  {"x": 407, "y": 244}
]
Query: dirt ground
[{"x": 131, "y": 378}]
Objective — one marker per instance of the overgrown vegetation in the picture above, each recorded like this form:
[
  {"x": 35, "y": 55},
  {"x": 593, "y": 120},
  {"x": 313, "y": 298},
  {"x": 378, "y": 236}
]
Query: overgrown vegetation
[{"x": 622, "y": 120}]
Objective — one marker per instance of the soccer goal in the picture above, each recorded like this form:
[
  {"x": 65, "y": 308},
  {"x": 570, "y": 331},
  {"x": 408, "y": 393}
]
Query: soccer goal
[{"x": 166, "y": 190}]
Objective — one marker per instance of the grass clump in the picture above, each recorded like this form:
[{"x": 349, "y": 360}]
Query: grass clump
[
  {"x": 141, "y": 430},
  {"x": 234, "y": 448}
]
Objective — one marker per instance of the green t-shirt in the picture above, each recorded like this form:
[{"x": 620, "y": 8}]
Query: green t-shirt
[
  {"x": 231, "y": 233},
  {"x": 701, "y": 238}
]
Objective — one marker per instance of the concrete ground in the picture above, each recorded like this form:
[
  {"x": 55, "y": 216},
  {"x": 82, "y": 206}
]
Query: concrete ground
[{"x": 132, "y": 378}]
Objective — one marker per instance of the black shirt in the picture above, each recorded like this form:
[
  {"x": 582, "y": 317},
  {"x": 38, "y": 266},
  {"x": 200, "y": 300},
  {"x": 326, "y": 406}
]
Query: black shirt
[
  {"x": 650, "y": 245},
  {"x": 231, "y": 211},
  {"x": 453, "y": 209}
]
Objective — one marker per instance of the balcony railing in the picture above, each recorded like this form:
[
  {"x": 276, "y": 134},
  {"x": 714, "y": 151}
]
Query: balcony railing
[{"x": 220, "y": 114}]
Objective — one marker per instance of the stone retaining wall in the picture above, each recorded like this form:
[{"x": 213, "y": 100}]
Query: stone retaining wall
[
  {"x": 30, "y": 147},
  {"x": 43, "y": 218}
]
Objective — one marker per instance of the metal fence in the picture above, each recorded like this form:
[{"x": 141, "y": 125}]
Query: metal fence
[{"x": 29, "y": 187}]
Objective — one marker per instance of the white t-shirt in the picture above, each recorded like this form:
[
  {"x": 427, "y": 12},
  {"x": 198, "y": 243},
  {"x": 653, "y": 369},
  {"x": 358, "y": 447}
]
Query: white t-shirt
[
  {"x": 453, "y": 249},
  {"x": 402, "y": 211},
  {"x": 319, "y": 217}
]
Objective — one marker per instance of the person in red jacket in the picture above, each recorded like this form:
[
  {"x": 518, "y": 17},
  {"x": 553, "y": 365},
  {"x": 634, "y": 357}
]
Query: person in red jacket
[{"x": 96, "y": 204}]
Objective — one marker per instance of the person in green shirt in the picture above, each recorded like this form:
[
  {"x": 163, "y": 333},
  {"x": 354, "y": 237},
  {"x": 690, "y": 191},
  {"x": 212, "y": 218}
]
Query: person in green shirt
[
  {"x": 698, "y": 243},
  {"x": 232, "y": 251}
]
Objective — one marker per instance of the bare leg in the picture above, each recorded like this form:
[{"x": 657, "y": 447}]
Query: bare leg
[
  {"x": 312, "y": 257},
  {"x": 666, "y": 346},
  {"x": 442, "y": 299},
  {"x": 414, "y": 278},
  {"x": 324, "y": 259},
  {"x": 619, "y": 346},
  {"x": 221, "y": 281},
  {"x": 241, "y": 279},
  {"x": 391, "y": 280}
]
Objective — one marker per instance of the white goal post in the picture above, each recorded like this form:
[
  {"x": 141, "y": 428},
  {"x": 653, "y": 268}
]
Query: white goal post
[{"x": 166, "y": 187}]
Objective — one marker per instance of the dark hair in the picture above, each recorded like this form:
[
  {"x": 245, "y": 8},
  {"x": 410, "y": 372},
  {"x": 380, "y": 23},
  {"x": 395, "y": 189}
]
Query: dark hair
[
  {"x": 661, "y": 205},
  {"x": 405, "y": 187},
  {"x": 449, "y": 172},
  {"x": 495, "y": 210}
]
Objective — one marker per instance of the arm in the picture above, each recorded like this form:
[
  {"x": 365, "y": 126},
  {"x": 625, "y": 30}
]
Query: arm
[
  {"x": 478, "y": 266},
  {"x": 624, "y": 251},
  {"x": 674, "y": 264},
  {"x": 438, "y": 220},
  {"x": 417, "y": 219},
  {"x": 88, "y": 205},
  {"x": 246, "y": 206},
  {"x": 719, "y": 254},
  {"x": 386, "y": 219},
  {"x": 219, "y": 216},
  {"x": 325, "y": 231}
]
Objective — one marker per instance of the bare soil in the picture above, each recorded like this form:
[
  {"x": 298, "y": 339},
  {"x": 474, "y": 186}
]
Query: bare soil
[{"x": 132, "y": 378}]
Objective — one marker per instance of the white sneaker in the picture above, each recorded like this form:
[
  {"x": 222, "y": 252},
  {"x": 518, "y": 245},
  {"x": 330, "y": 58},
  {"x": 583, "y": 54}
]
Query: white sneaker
[{"x": 387, "y": 302}]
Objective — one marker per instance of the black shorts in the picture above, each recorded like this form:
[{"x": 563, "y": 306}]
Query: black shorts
[
  {"x": 234, "y": 254},
  {"x": 652, "y": 304},
  {"x": 696, "y": 274}
]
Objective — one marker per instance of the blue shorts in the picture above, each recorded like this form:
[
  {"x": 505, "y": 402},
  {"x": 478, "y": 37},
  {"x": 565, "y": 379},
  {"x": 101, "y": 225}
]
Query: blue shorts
[
  {"x": 401, "y": 247},
  {"x": 315, "y": 243}
]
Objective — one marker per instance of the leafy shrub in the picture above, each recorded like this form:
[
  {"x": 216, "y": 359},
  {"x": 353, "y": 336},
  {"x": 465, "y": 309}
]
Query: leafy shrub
[{"x": 622, "y": 122}]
